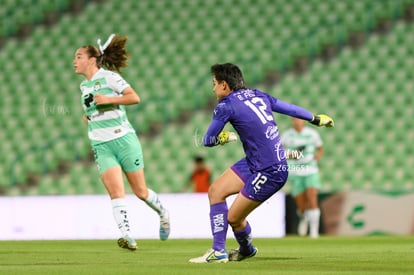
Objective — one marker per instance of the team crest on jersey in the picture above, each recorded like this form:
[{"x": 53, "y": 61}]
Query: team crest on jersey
[{"x": 97, "y": 86}]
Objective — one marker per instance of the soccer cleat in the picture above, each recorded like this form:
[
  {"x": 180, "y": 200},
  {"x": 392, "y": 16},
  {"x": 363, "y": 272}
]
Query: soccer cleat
[
  {"x": 235, "y": 255},
  {"x": 212, "y": 256},
  {"x": 303, "y": 227},
  {"x": 314, "y": 234},
  {"x": 164, "y": 225},
  {"x": 127, "y": 242}
]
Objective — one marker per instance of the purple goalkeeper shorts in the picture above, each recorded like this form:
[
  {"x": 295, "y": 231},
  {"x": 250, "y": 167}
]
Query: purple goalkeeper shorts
[{"x": 260, "y": 185}]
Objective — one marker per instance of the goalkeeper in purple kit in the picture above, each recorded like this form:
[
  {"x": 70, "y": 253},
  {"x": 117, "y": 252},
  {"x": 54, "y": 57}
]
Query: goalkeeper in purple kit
[{"x": 260, "y": 174}]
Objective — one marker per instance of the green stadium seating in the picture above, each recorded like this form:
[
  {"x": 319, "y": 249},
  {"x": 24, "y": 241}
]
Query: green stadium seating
[
  {"x": 368, "y": 92},
  {"x": 173, "y": 44}
]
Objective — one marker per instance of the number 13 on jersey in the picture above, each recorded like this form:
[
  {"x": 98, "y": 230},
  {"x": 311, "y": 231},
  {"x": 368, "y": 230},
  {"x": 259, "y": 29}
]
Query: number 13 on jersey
[{"x": 258, "y": 106}]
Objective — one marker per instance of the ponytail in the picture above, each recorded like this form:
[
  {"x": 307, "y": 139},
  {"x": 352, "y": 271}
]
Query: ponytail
[{"x": 111, "y": 55}]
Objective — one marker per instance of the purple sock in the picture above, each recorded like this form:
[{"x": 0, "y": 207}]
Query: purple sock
[
  {"x": 219, "y": 225},
  {"x": 244, "y": 238}
]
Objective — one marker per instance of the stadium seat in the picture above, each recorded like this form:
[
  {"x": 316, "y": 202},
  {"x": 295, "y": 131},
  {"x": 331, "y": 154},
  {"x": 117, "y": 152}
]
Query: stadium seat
[{"x": 173, "y": 46}]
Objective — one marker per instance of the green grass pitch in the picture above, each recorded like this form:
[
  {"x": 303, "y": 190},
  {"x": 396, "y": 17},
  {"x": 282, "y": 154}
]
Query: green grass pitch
[{"x": 289, "y": 255}]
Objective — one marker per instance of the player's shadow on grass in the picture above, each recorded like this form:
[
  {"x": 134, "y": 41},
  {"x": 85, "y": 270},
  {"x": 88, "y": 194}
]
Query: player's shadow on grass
[{"x": 266, "y": 259}]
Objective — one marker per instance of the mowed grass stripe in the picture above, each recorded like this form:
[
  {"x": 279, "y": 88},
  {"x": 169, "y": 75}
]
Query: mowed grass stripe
[{"x": 290, "y": 255}]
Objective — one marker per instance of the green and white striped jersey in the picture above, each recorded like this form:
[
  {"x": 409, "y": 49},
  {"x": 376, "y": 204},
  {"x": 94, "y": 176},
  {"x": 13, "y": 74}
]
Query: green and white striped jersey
[
  {"x": 106, "y": 122},
  {"x": 305, "y": 144}
]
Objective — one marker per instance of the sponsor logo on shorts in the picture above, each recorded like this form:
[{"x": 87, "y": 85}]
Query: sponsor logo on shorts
[{"x": 137, "y": 162}]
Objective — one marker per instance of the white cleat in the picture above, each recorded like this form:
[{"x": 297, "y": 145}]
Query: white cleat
[
  {"x": 212, "y": 256},
  {"x": 127, "y": 242},
  {"x": 314, "y": 234}
]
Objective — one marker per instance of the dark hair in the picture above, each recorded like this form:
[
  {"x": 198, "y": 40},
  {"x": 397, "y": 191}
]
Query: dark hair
[
  {"x": 114, "y": 57},
  {"x": 198, "y": 159},
  {"x": 230, "y": 73}
]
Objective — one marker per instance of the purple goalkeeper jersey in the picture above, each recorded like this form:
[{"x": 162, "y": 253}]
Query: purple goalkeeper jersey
[{"x": 250, "y": 113}]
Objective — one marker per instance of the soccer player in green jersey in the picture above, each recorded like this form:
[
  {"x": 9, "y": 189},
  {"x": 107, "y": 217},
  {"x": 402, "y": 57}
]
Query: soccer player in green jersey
[
  {"x": 304, "y": 149},
  {"x": 115, "y": 144}
]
